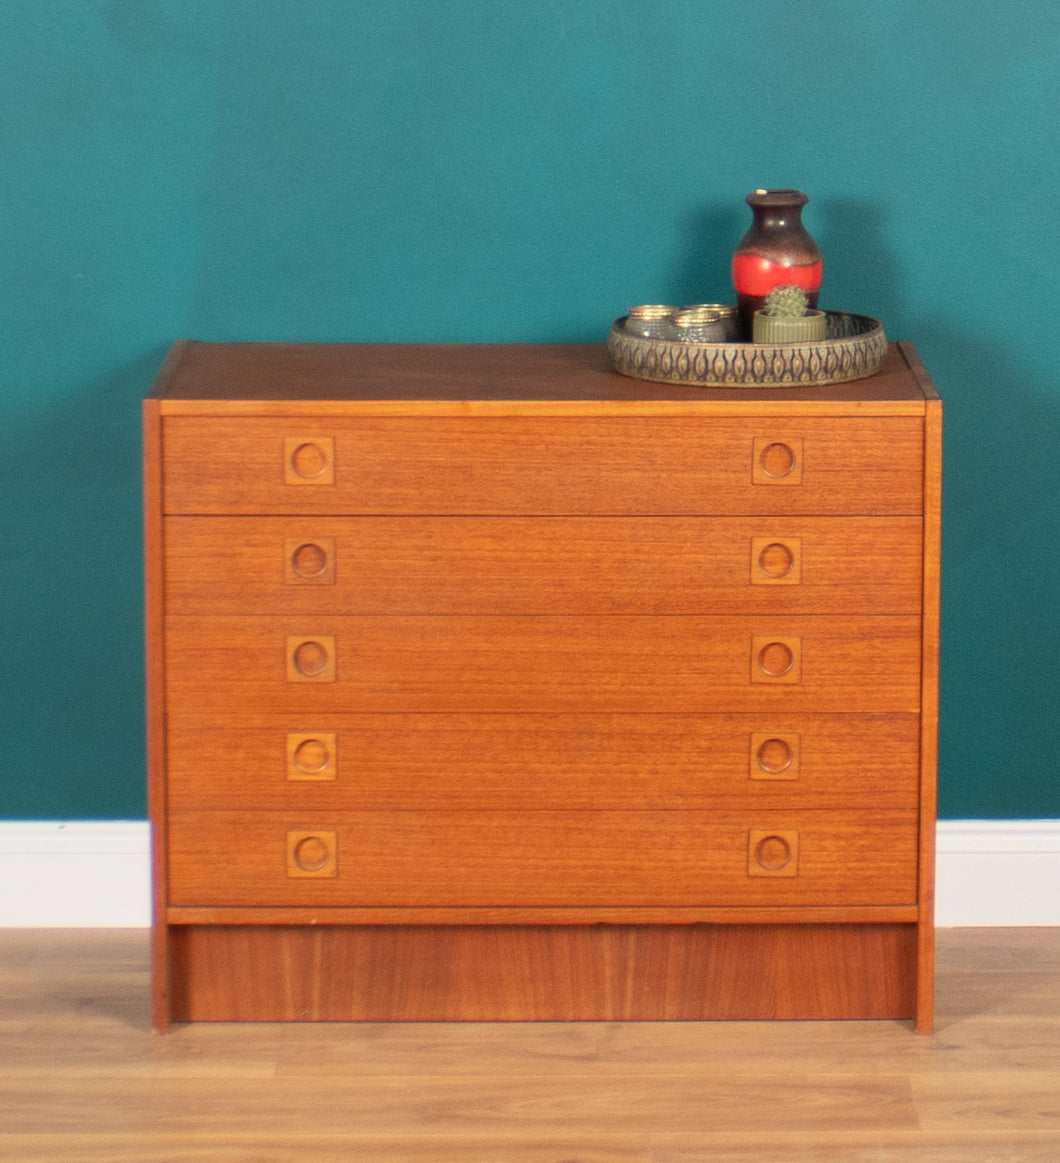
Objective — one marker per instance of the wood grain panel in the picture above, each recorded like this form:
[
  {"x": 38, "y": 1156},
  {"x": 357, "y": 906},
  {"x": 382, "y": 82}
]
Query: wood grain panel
[
  {"x": 541, "y": 859},
  {"x": 554, "y": 664},
  {"x": 560, "y": 565},
  {"x": 544, "y": 761},
  {"x": 930, "y": 680},
  {"x": 548, "y": 915},
  {"x": 567, "y": 973},
  {"x": 556, "y": 379},
  {"x": 154, "y": 690},
  {"x": 536, "y": 466}
]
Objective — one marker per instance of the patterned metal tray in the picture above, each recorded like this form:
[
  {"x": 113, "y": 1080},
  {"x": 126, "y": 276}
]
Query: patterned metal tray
[{"x": 853, "y": 349}]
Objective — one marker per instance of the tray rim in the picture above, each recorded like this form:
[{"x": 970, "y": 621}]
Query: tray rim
[{"x": 834, "y": 360}]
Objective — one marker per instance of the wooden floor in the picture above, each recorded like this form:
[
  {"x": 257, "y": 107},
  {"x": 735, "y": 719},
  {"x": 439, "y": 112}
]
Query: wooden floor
[{"x": 82, "y": 1078}]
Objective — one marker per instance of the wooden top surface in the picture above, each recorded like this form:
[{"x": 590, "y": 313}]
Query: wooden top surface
[{"x": 488, "y": 379}]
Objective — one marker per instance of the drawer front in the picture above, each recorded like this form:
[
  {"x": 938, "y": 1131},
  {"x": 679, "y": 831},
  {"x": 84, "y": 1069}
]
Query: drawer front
[
  {"x": 308, "y": 666},
  {"x": 542, "y": 859},
  {"x": 537, "y": 465},
  {"x": 545, "y": 762},
  {"x": 548, "y": 565}
]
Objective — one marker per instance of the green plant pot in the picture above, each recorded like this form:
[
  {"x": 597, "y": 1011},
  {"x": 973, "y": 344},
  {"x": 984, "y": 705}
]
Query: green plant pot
[{"x": 789, "y": 328}]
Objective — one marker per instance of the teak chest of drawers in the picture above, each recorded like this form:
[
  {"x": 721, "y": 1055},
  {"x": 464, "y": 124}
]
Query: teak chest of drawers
[{"x": 487, "y": 684}]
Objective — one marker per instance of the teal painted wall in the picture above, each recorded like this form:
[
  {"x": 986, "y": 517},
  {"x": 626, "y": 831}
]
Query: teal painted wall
[{"x": 469, "y": 170}]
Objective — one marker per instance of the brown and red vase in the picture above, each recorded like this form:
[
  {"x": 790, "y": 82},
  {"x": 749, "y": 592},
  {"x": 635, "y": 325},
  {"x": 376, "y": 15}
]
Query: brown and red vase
[{"x": 776, "y": 250}]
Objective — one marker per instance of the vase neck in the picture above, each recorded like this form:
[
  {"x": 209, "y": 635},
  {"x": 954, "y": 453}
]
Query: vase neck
[{"x": 778, "y": 217}]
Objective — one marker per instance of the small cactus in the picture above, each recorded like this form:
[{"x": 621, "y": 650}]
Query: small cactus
[{"x": 787, "y": 301}]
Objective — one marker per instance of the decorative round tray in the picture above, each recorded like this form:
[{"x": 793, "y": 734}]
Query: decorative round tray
[{"x": 853, "y": 348}]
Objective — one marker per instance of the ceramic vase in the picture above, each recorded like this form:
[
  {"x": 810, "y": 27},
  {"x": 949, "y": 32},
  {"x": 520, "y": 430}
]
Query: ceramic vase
[{"x": 776, "y": 250}]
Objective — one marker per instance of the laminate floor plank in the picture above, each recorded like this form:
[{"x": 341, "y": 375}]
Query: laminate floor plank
[
  {"x": 847, "y": 1147},
  {"x": 867, "y": 1049},
  {"x": 82, "y": 1077},
  {"x": 463, "y": 1104},
  {"x": 1027, "y": 1100},
  {"x": 569, "y": 1148},
  {"x": 838, "y": 1147}
]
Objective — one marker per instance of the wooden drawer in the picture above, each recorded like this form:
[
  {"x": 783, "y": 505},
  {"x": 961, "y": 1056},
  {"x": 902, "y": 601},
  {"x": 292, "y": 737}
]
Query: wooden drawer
[
  {"x": 554, "y": 762},
  {"x": 533, "y": 465},
  {"x": 548, "y": 565},
  {"x": 541, "y": 859},
  {"x": 311, "y": 666}
]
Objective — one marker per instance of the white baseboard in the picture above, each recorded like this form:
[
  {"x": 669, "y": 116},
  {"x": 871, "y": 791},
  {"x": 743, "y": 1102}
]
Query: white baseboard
[
  {"x": 88, "y": 874},
  {"x": 78, "y": 875},
  {"x": 997, "y": 872}
]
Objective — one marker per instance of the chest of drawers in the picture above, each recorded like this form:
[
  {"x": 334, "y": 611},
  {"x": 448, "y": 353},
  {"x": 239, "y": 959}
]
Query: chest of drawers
[{"x": 486, "y": 684}]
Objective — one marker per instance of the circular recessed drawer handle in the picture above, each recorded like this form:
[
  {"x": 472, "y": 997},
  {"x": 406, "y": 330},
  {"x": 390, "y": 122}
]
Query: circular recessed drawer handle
[
  {"x": 309, "y": 460},
  {"x": 312, "y": 854},
  {"x": 311, "y": 756},
  {"x": 776, "y": 658},
  {"x": 777, "y": 462},
  {"x": 309, "y": 561},
  {"x": 776, "y": 561},
  {"x": 774, "y": 756},
  {"x": 773, "y": 853},
  {"x": 311, "y": 659}
]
